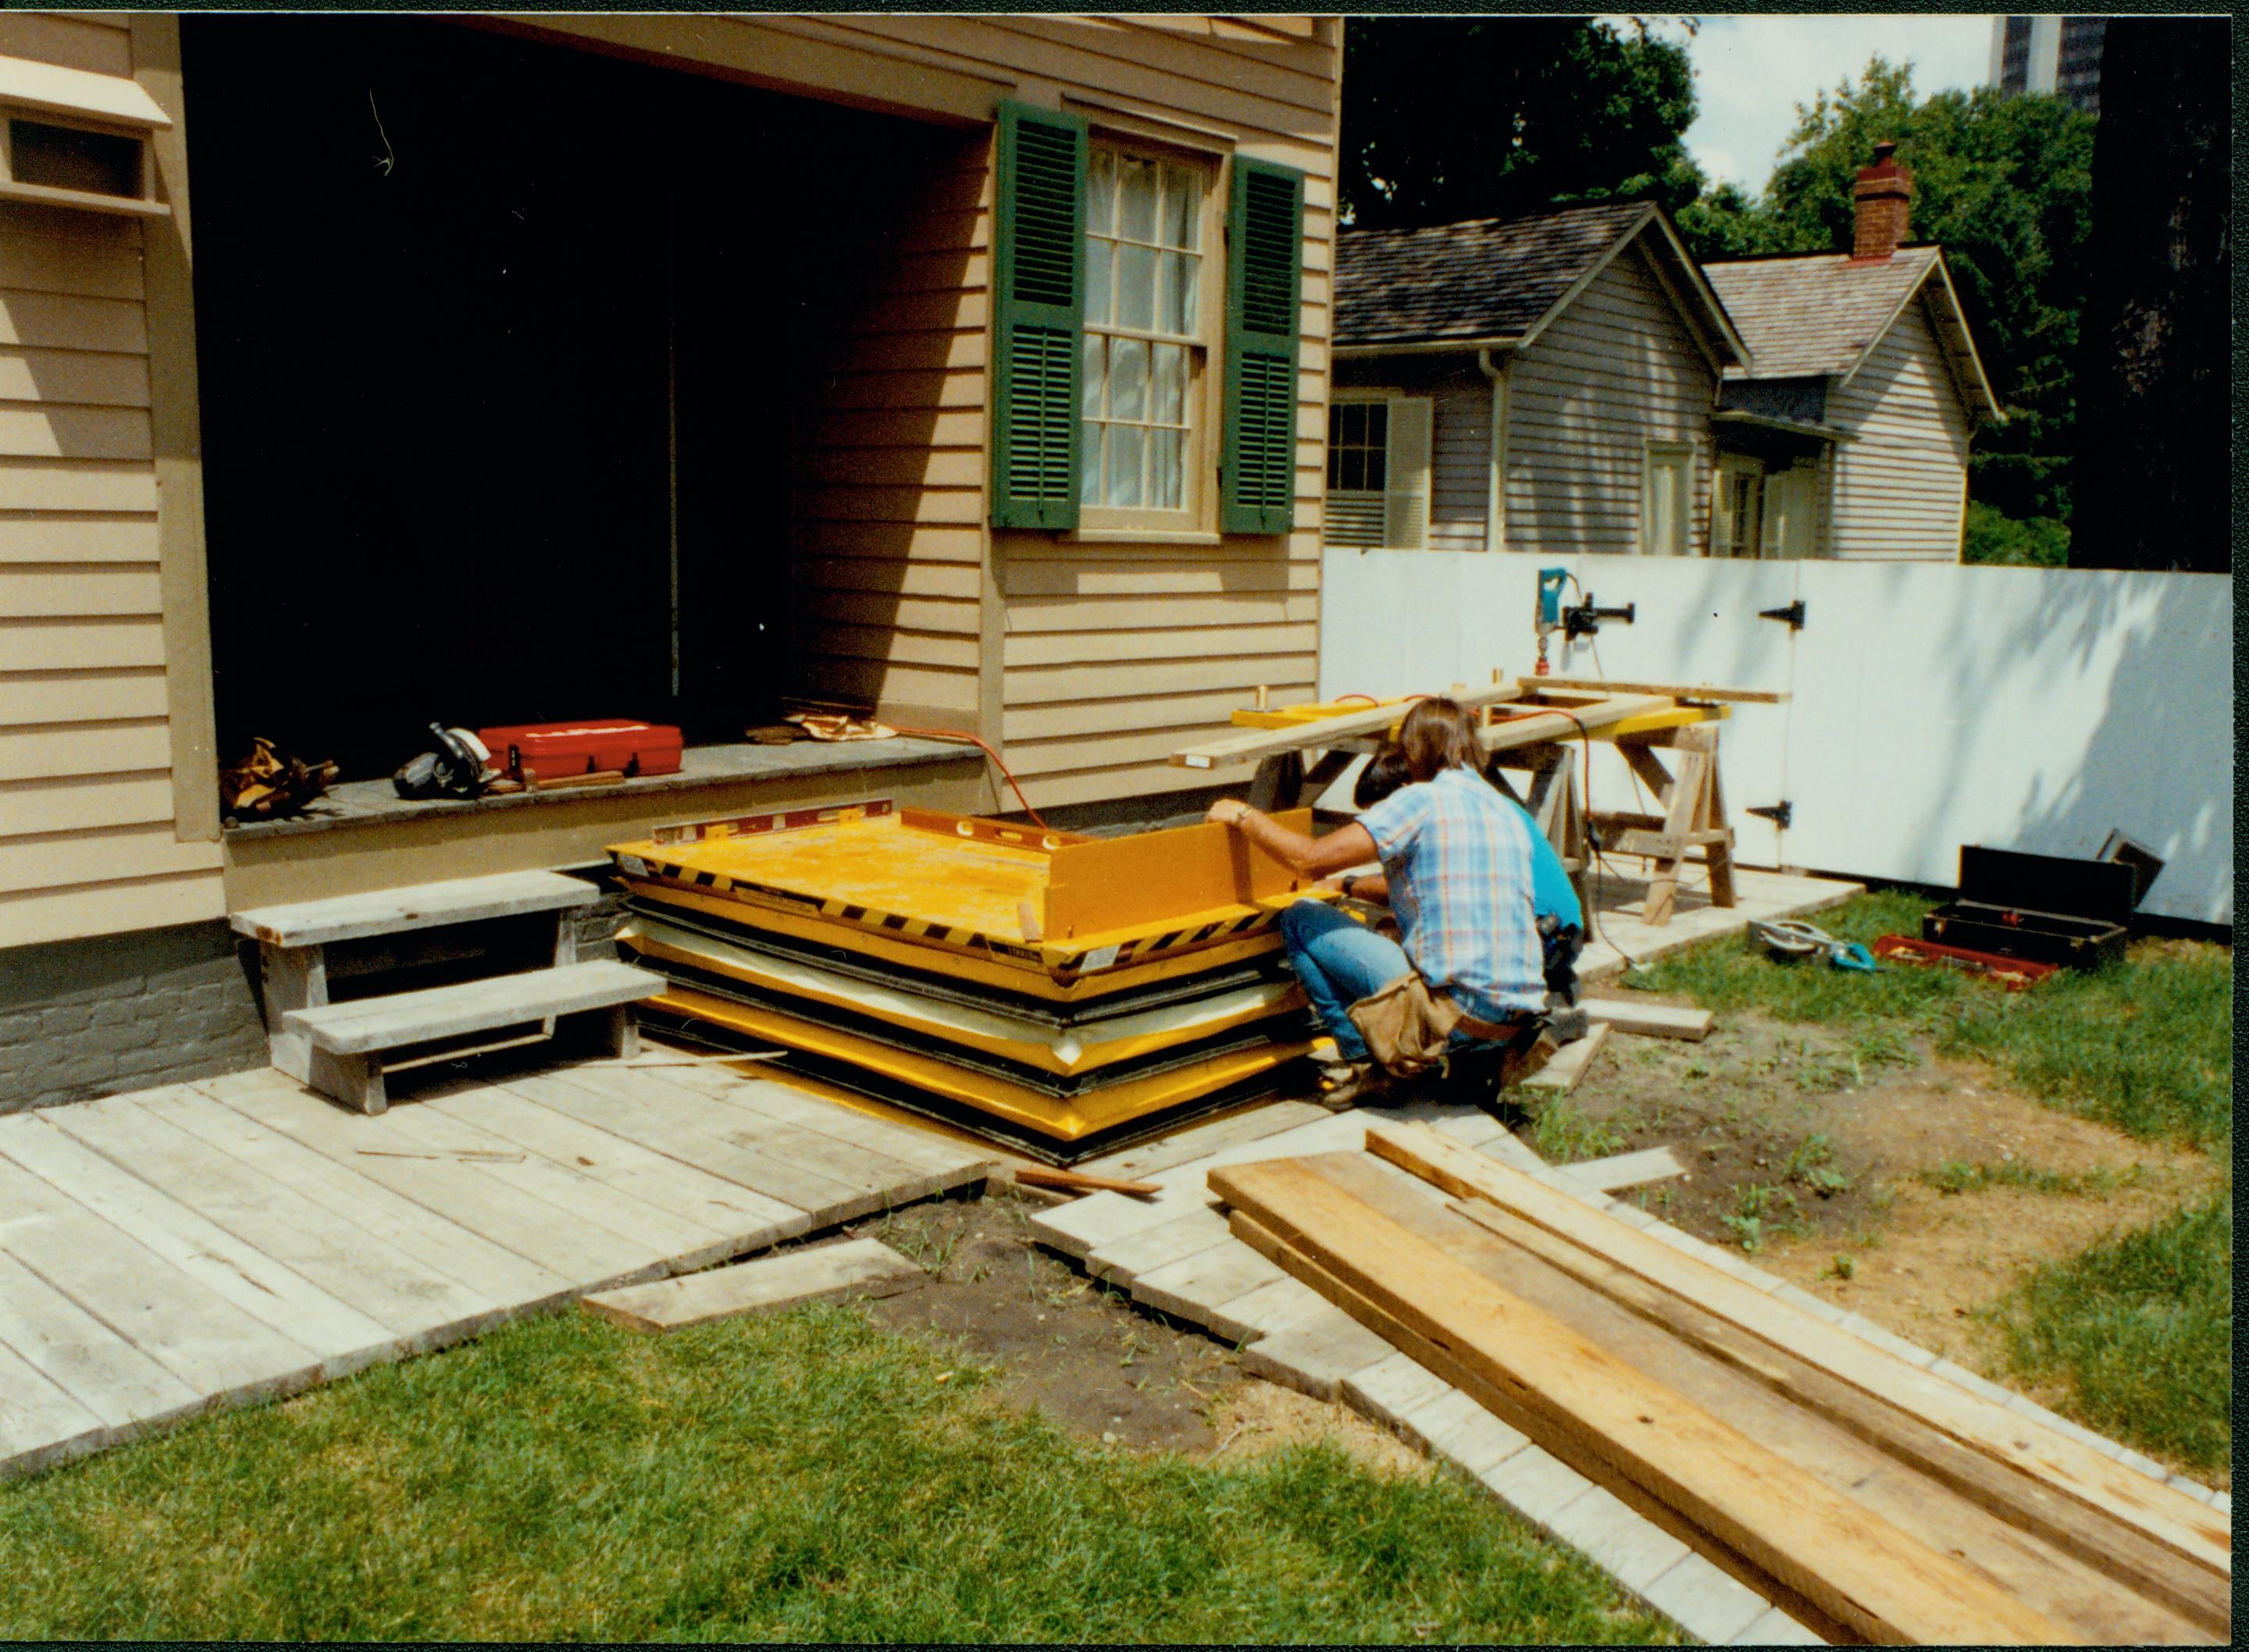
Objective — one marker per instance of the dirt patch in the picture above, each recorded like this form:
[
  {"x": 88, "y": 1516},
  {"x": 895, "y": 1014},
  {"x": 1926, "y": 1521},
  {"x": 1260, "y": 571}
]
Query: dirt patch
[
  {"x": 1090, "y": 1358},
  {"x": 1254, "y": 1417},
  {"x": 1099, "y": 1364},
  {"x": 1818, "y": 1153}
]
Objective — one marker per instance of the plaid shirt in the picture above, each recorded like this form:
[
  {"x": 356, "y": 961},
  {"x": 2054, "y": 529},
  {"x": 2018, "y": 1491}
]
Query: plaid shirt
[{"x": 1458, "y": 857}]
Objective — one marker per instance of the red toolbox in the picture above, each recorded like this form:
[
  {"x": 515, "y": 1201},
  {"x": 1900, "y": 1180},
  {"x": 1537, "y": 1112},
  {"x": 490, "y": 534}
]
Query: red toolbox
[{"x": 553, "y": 750}]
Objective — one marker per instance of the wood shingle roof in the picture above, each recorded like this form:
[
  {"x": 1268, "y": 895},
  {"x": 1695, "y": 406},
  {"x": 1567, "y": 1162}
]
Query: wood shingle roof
[
  {"x": 1491, "y": 278},
  {"x": 1817, "y": 313}
]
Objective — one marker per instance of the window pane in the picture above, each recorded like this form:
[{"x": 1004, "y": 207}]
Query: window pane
[
  {"x": 1091, "y": 378},
  {"x": 1354, "y": 422},
  {"x": 1136, "y": 206},
  {"x": 1166, "y": 472},
  {"x": 1377, "y": 424},
  {"x": 1378, "y": 460},
  {"x": 1169, "y": 404},
  {"x": 1335, "y": 427},
  {"x": 1097, "y": 256},
  {"x": 1182, "y": 207},
  {"x": 1128, "y": 379},
  {"x": 1354, "y": 470},
  {"x": 1176, "y": 313},
  {"x": 1136, "y": 287},
  {"x": 1089, "y": 464},
  {"x": 1127, "y": 448},
  {"x": 1101, "y": 193}
]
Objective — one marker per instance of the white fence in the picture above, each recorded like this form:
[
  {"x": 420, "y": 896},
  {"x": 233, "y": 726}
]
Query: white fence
[{"x": 1930, "y": 706}]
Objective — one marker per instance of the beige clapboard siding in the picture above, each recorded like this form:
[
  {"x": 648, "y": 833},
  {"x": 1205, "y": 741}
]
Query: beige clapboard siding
[
  {"x": 1616, "y": 370},
  {"x": 1060, "y": 756},
  {"x": 105, "y": 855},
  {"x": 1046, "y": 685},
  {"x": 888, "y": 493},
  {"x": 88, "y": 842},
  {"x": 1223, "y": 642},
  {"x": 1900, "y": 489},
  {"x": 81, "y": 42},
  {"x": 1117, "y": 716},
  {"x": 45, "y": 751},
  {"x": 1062, "y": 788},
  {"x": 82, "y": 642},
  {"x": 78, "y": 802},
  {"x": 68, "y": 912},
  {"x": 79, "y": 696},
  {"x": 1120, "y": 573},
  {"x": 1121, "y": 614}
]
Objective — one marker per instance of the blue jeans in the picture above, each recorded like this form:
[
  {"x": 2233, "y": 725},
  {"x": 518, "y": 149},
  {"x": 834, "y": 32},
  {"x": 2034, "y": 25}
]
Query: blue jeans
[{"x": 1339, "y": 962}]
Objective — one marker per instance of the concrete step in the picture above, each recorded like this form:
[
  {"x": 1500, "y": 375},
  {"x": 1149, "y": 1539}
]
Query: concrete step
[
  {"x": 307, "y": 923},
  {"x": 366, "y": 1026}
]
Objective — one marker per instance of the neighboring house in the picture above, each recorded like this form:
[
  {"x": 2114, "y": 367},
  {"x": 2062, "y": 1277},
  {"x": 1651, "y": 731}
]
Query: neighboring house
[
  {"x": 1848, "y": 434},
  {"x": 1540, "y": 384},
  {"x": 582, "y": 365}
]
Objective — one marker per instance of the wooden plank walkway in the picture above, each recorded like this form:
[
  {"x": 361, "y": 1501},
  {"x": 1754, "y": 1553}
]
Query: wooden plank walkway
[
  {"x": 182, "y": 1250},
  {"x": 1176, "y": 1252}
]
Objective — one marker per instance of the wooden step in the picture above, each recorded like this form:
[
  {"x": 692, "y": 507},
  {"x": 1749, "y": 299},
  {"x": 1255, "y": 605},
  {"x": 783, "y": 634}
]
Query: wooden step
[
  {"x": 365, "y": 1026},
  {"x": 305, "y": 923}
]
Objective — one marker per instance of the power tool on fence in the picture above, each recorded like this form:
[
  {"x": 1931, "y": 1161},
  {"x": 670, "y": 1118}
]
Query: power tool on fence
[{"x": 1584, "y": 621}]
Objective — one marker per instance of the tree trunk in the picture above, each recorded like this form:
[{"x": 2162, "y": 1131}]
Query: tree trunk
[{"x": 2154, "y": 376}]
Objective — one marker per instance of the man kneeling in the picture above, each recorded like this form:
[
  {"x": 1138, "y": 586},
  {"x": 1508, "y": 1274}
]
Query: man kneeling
[{"x": 1467, "y": 971}]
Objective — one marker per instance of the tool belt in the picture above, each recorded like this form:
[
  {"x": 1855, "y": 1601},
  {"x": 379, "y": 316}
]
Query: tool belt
[{"x": 1408, "y": 1028}]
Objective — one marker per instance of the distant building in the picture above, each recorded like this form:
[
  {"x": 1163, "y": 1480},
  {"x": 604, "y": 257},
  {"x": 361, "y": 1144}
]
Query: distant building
[{"x": 2050, "y": 54}]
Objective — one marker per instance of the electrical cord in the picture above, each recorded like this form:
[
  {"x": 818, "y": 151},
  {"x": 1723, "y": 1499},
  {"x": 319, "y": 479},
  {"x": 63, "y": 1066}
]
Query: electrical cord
[{"x": 970, "y": 739}]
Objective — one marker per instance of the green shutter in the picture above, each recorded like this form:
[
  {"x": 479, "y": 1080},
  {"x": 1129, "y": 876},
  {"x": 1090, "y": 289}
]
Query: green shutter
[
  {"x": 1264, "y": 281},
  {"x": 1039, "y": 310}
]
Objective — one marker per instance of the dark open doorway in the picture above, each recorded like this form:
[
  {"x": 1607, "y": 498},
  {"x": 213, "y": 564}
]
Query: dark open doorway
[{"x": 496, "y": 343}]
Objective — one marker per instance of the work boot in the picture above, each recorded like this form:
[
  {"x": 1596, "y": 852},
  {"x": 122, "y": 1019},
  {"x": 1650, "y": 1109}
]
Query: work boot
[{"x": 1345, "y": 1084}]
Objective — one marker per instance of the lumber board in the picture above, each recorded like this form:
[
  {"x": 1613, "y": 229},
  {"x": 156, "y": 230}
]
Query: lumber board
[
  {"x": 1624, "y": 1169},
  {"x": 1201, "y": 1141},
  {"x": 203, "y": 1339},
  {"x": 734, "y": 1217},
  {"x": 365, "y": 1026},
  {"x": 1861, "y": 1569},
  {"x": 1561, "y": 1075},
  {"x": 669, "y": 1124},
  {"x": 75, "y": 1352},
  {"x": 550, "y": 1233},
  {"x": 424, "y": 1307},
  {"x": 2168, "y": 1517},
  {"x": 1305, "y": 737},
  {"x": 865, "y": 1266},
  {"x": 1675, "y": 690},
  {"x": 276, "y": 1295},
  {"x": 1537, "y": 1488},
  {"x": 372, "y": 1213},
  {"x": 806, "y": 1131},
  {"x": 392, "y": 911},
  {"x": 2003, "y": 1491},
  {"x": 41, "y": 1425},
  {"x": 1649, "y": 1020},
  {"x": 2079, "y": 1591},
  {"x": 1542, "y": 727}
]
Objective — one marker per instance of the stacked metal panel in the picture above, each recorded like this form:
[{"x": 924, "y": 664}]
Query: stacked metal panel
[{"x": 1062, "y": 992}]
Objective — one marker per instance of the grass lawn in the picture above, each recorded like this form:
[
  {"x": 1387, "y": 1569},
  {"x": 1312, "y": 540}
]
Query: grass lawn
[
  {"x": 2139, "y": 1328},
  {"x": 805, "y": 1477}
]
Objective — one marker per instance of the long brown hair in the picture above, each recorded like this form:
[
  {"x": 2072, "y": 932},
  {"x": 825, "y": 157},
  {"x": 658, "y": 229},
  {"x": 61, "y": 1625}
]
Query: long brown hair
[{"x": 1439, "y": 734}]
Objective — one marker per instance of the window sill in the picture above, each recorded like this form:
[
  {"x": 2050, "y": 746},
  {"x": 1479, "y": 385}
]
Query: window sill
[{"x": 1140, "y": 536}]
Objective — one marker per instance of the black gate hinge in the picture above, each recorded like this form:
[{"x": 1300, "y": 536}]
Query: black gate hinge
[
  {"x": 1779, "y": 813},
  {"x": 1793, "y": 613}
]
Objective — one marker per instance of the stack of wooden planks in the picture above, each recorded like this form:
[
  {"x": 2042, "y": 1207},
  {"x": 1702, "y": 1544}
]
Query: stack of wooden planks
[{"x": 1870, "y": 1499}]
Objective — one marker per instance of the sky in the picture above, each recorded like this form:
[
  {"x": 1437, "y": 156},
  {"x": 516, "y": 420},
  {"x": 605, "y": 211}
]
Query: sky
[{"x": 1751, "y": 71}]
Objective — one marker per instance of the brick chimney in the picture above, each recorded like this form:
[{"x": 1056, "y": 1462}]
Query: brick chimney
[{"x": 1883, "y": 195}]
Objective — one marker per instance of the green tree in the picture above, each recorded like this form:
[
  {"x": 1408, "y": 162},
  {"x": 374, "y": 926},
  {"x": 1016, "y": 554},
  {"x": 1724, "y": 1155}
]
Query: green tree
[
  {"x": 2004, "y": 185},
  {"x": 1453, "y": 117}
]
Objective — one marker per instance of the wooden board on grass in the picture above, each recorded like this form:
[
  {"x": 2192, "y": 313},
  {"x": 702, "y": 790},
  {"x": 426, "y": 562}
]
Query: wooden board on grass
[
  {"x": 2159, "y": 1511},
  {"x": 1649, "y": 1020},
  {"x": 1858, "y": 1568},
  {"x": 1560, "y": 1075},
  {"x": 865, "y": 1266}
]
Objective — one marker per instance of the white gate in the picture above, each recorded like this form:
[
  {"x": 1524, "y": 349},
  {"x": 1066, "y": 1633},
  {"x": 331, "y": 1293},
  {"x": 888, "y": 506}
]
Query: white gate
[{"x": 1930, "y": 705}]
